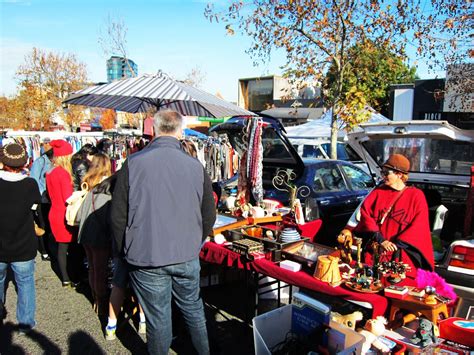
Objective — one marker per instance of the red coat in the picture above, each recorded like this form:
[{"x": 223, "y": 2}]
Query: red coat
[
  {"x": 407, "y": 222},
  {"x": 59, "y": 186}
]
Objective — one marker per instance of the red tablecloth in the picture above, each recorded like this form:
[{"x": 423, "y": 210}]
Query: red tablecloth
[{"x": 214, "y": 253}]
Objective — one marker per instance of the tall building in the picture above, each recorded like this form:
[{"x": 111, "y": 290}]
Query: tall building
[
  {"x": 449, "y": 99},
  {"x": 117, "y": 68},
  {"x": 275, "y": 96}
]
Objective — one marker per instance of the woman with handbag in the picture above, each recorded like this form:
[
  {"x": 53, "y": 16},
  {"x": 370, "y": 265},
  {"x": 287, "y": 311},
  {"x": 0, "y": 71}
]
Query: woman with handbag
[
  {"x": 94, "y": 230},
  {"x": 59, "y": 185},
  {"x": 20, "y": 195},
  {"x": 395, "y": 216}
]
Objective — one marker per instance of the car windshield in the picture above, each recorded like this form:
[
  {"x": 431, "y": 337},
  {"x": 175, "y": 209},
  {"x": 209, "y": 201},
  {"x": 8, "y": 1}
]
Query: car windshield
[
  {"x": 426, "y": 154},
  {"x": 273, "y": 145},
  {"x": 344, "y": 152}
]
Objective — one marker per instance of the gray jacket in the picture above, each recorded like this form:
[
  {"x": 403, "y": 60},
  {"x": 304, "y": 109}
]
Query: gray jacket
[
  {"x": 94, "y": 216},
  {"x": 162, "y": 206}
]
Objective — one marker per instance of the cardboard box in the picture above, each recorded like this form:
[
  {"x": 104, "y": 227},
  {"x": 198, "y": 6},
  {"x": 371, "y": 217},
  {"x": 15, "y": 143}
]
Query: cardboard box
[
  {"x": 343, "y": 340},
  {"x": 290, "y": 265}
]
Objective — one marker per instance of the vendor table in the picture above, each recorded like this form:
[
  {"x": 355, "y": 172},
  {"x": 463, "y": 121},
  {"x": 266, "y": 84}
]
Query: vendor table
[
  {"x": 415, "y": 305},
  {"x": 218, "y": 254}
]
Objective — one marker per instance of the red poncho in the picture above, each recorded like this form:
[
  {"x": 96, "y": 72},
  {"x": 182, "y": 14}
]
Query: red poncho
[{"x": 407, "y": 225}]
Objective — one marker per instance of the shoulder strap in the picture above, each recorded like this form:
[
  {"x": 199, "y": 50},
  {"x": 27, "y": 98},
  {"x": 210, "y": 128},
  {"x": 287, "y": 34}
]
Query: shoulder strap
[{"x": 395, "y": 199}]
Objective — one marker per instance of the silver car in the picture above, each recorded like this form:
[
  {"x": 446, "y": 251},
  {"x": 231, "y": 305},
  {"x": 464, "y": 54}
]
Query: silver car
[{"x": 442, "y": 165}]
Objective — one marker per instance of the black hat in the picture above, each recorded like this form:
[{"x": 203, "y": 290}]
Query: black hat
[{"x": 14, "y": 155}]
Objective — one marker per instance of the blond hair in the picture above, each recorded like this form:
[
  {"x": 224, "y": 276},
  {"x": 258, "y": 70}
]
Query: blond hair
[
  {"x": 64, "y": 162},
  {"x": 99, "y": 168},
  {"x": 404, "y": 177}
]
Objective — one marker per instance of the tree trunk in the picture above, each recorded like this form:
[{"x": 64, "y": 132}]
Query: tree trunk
[
  {"x": 334, "y": 132},
  {"x": 335, "y": 110}
]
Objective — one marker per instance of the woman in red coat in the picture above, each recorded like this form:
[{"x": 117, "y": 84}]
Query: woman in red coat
[
  {"x": 60, "y": 186},
  {"x": 396, "y": 216}
]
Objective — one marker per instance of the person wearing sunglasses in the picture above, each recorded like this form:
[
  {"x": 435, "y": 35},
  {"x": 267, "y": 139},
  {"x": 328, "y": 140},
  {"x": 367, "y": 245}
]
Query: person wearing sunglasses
[{"x": 396, "y": 216}]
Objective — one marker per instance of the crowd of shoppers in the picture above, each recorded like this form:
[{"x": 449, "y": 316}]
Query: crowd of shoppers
[{"x": 150, "y": 218}]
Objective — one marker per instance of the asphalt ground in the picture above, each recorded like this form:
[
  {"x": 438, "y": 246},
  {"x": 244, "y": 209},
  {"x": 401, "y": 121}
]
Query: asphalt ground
[{"x": 67, "y": 323}]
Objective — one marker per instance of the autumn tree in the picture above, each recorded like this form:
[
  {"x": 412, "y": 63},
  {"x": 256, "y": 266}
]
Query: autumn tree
[
  {"x": 107, "y": 119},
  {"x": 26, "y": 110},
  {"x": 370, "y": 70},
  {"x": 134, "y": 119},
  {"x": 317, "y": 34},
  {"x": 45, "y": 80},
  {"x": 73, "y": 116},
  {"x": 8, "y": 110}
]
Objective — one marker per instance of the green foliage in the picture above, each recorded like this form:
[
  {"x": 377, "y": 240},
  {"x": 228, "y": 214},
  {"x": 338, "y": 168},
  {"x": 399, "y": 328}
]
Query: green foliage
[{"x": 370, "y": 69}]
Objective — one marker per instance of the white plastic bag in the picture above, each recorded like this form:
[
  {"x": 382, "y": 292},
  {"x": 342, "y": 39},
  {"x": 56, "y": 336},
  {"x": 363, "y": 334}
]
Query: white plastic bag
[{"x": 74, "y": 203}]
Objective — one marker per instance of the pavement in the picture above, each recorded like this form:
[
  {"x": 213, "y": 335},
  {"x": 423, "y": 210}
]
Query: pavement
[{"x": 67, "y": 323}]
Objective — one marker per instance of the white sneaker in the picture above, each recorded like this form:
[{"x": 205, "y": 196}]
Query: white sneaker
[
  {"x": 142, "y": 328},
  {"x": 110, "y": 332}
]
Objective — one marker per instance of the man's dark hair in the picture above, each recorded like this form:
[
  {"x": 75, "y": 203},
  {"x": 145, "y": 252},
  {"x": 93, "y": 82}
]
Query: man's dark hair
[
  {"x": 88, "y": 149},
  {"x": 103, "y": 145},
  {"x": 49, "y": 154}
]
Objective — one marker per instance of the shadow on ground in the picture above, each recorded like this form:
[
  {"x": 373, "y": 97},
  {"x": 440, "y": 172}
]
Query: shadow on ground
[{"x": 7, "y": 347}]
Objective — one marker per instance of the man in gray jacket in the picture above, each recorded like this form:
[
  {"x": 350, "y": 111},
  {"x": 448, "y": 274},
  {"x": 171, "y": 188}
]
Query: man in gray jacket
[{"x": 162, "y": 210}]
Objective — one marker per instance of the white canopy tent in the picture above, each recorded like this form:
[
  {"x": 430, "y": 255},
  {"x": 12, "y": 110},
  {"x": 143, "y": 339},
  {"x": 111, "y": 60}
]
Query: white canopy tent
[{"x": 320, "y": 129}]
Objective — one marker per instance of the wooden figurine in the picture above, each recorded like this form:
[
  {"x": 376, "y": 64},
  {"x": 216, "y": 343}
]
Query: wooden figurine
[
  {"x": 358, "y": 243},
  {"x": 344, "y": 240}
]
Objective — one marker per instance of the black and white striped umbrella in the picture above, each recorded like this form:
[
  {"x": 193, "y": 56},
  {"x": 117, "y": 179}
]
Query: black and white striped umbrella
[{"x": 160, "y": 91}]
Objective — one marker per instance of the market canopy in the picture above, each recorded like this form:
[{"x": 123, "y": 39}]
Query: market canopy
[
  {"x": 188, "y": 132},
  {"x": 158, "y": 91}
]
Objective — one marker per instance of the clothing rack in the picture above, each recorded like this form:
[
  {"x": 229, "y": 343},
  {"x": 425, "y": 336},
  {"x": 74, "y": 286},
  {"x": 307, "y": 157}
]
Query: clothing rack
[
  {"x": 124, "y": 144},
  {"x": 217, "y": 156},
  {"x": 32, "y": 139}
]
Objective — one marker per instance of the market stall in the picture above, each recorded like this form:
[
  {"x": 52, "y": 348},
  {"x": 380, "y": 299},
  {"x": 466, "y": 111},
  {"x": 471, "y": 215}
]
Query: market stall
[
  {"x": 218, "y": 254},
  {"x": 265, "y": 238}
]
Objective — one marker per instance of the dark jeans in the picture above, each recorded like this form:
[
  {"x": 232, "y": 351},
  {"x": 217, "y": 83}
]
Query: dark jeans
[
  {"x": 43, "y": 242},
  {"x": 42, "y": 245},
  {"x": 155, "y": 287},
  {"x": 62, "y": 261}
]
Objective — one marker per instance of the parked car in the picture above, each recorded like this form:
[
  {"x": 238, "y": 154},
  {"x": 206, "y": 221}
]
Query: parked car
[
  {"x": 330, "y": 189},
  {"x": 321, "y": 149},
  {"x": 441, "y": 158}
]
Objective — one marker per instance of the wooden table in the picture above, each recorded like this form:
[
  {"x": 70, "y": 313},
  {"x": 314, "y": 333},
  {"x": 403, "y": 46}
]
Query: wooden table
[{"x": 417, "y": 305}]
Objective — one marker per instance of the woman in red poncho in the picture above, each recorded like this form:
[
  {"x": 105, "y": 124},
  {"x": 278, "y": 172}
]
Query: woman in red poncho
[
  {"x": 60, "y": 186},
  {"x": 396, "y": 216}
]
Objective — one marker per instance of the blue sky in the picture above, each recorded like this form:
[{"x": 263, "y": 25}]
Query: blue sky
[{"x": 173, "y": 36}]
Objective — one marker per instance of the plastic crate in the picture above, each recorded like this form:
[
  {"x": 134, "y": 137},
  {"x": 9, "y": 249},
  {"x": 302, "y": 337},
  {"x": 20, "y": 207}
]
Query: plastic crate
[{"x": 271, "y": 328}]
